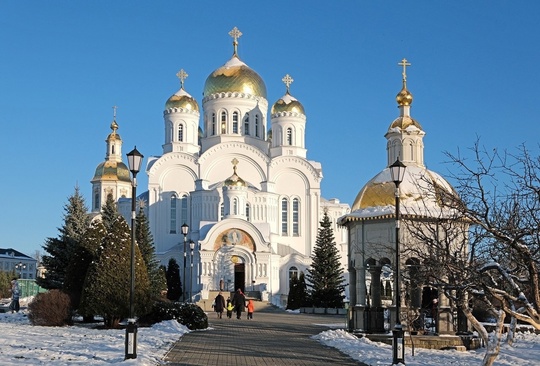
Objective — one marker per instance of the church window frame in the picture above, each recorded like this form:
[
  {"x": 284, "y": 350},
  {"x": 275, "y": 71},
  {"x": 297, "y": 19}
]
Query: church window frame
[
  {"x": 184, "y": 209},
  {"x": 293, "y": 272},
  {"x": 257, "y": 125},
  {"x": 180, "y": 133},
  {"x": 235, "y": 122},
  {"x": 235, "y": 206},
  {"x": 284, "y": 216},
  {"x": 173, "y": 214},
  {"x": 296, "y": 217},
  {"x": 223, "y": 122},
  {"x": 221, "y": 211},
  {"x": 213, "y": 124},
  {"x": 96, "y": 200},
  {"x": 246, "y": 125},
  {"x": 248, "y": 212},
  {"x": 289, "y": 136}
]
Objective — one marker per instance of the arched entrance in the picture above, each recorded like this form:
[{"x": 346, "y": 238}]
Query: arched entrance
[{"x": 240, "y": 276}]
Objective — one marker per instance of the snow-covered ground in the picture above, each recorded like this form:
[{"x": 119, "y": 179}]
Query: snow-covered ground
[{"x": 24, "y": 344}]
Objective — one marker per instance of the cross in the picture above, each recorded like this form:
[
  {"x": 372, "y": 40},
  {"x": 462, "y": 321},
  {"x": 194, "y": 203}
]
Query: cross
[
  {"x": 234, "y": 163},
  {"x": 404, "y": 63},
  {"x": 288, "y": 80},
  {"x": 235, "y": 34},
  {"x": 182, "y": 75}
]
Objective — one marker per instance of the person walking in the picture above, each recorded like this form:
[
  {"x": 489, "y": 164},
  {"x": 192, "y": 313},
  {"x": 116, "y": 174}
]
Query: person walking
[
  {"x": 250, "y": 308},
  {"x": 239, "y": 302},
  {"x": 15, "y": 292},
  {"x": 219, "y": 305},
  {"x": 230, "y": 308}
]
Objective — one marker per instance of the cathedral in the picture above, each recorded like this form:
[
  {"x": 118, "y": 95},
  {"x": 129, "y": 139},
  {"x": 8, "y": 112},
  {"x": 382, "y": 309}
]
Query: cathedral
[{"x": 232, "y": 195}]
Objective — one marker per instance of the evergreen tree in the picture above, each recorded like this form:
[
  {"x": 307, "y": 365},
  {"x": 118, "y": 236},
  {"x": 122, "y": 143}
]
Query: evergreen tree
[
  {"x": 109, "y": 212},
  {"x": 325, "y": 274},
  {"x": 174, "y": 285},
  {"x": 60, "y": 250},
  {"x": 144, "y": 239},
  {"x": 107, "y": 287}
]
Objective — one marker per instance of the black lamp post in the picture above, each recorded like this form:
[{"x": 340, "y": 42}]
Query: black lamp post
[
  {"x": 185, "y": 230},
  {"x": 191, "y": 247},
  {"x": 134, "y": 162},
  {"x": 20, "y": 266},
  {"x": 397, "y": 171}
]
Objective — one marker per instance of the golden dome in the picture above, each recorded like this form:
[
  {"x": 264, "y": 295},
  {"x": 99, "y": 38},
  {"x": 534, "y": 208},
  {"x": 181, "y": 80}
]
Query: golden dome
[
  {"x": 113, "y": 135},
  {"x": 287, "y": 103},
  {"x": 112, "y": 171},
  {"x": 234, "y": 180},
  {"x": 403, "y": 122},
  {"x": 404, "y": 97},
  {"x": 235, "y": 76},
  {"x": 182, "y": 99}
]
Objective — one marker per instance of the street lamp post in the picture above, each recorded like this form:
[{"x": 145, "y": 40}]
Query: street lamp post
[
  {"x": 191, "y": 247},
  {"x": 20, "y": 266},
  {"x": 397, "y": 171},
  {"x": 134, "y": 162},
  {"x": 185, "y": 230}
]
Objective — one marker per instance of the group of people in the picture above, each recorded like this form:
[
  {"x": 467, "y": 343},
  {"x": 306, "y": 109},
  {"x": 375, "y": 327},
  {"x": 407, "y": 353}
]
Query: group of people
[{"x": 237, "y": 304}]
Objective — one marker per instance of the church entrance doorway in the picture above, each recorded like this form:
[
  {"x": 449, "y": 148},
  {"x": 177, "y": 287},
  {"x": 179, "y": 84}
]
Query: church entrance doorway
[{"x": 239, "y": 276}]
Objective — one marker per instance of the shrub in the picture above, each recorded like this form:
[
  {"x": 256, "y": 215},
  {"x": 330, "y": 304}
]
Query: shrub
[
  {"x": 191, "y": 315},
  {"x": 50, "y": 309}
]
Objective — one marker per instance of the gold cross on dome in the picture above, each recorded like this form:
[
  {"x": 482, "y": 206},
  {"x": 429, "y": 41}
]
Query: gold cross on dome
[
  {"x": 288, "y": 80},
  {"x": 182, "y": 75},
  {"x": 235, "y": 34},
  {"x": 234, "y": 163},
  {"x": 404, "y": 63}
]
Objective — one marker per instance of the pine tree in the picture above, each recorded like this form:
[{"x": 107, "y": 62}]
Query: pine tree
[
  {"x": 325, "y": 274},
  {"x": 107, "y": 287},
  {"x": 61, "y": 250},
  {"x": 109, "y": 212},
  {"x": 144, "y": 240},
  {"x": 174, "y": 285}
]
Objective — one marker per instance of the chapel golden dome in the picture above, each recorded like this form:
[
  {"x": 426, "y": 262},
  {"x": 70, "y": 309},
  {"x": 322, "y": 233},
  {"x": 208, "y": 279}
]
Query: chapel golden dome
[
  {"x": 235, "y": 180},
  {"x": 404, "y": 97},
  {"x": 182, "y": 99},
  {"x": 114, "y": 135},
  {"x": 287, "y": 103},
  {"x": 112, "y": 171}
]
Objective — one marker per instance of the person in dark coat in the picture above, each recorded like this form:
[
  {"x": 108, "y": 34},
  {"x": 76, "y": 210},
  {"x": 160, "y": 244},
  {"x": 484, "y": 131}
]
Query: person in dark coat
[
  {"x": 239, "y": 302},
  {"x": 14, "y": 305},
  {"x": 219, "y": 305}
]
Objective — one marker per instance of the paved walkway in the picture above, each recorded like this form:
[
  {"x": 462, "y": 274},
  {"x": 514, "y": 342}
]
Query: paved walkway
[{"x": 273, "y": 337}]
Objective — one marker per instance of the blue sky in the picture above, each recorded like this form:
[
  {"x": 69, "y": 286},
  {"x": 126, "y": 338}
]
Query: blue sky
[{"x": 64, "y": 64}]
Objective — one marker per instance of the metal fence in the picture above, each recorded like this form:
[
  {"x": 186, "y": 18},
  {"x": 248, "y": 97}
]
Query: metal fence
[{"x": 29, "y": 287}]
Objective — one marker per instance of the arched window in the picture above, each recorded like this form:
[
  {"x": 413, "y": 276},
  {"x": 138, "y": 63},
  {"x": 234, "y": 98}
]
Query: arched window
[
  {"x": 184, "y": 209},
  {"x": 257, "y": 126},
  {"x": 213, "y": 124},
  {"x": 246, "y": 125},
  {"x": 248, "y": 212},
  {"x": 296, "y": 216},
  {"x": 221, "y": 211},
  {"x": 180, "y": 133},
  {"x": 235, "y": 122},
  {"x": 289, "y": 136},
  {"x": 172, "y": 221},
  {"x": 223, "y": 122},
  {"x": 284, "y": 216},
  {"x": 293, "y": 273},
  {"x": 235, "y": 206},
  {"x": 96, "y": 200}
]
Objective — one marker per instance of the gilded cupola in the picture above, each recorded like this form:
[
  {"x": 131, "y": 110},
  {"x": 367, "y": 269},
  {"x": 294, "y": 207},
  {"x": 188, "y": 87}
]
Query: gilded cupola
[
  {"x": 234, "y": 180},
  {"x": 287, "y": 103},
  {"x": 182, "y": 99},
  {"x": 235, "y": 76}
]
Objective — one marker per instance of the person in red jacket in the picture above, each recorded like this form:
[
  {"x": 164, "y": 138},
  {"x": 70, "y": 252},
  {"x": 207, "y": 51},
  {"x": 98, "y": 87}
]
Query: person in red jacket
[{"x": 250, "y": 308}]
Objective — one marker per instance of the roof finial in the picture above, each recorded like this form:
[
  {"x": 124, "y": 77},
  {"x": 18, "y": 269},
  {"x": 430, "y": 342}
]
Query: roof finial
[
  {"x": 234, "y": 163},
  {"x": 235, "y": 34},
  {"x": 404, "y": 63},
  {"x": 288, "y": 80},
  {"x": 182, "y": 75},
  {"x": 114, "y": 125}
]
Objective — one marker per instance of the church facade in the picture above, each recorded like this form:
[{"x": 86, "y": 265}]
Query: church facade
[{"x": 238, "y": 178}]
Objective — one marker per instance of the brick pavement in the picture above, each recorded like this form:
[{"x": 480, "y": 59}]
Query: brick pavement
[{"x": 274, "y": 337}]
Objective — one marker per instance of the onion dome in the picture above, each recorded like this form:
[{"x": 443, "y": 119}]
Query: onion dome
[
  {"x": 287, "y": 103},
  {"x": 404, "y": 97},
  {"x": 114, "y": 135},
  {"x": 234, "y": 180},
  {"x": 112, "y": 171},
  {"x": 235, "y": 76},
  {"x": 182, "y": 99},
  {"x": 404, "y": 100}
]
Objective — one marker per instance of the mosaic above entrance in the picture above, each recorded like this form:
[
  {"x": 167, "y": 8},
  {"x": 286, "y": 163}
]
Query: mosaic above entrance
[{"x": 234, "y": 237}]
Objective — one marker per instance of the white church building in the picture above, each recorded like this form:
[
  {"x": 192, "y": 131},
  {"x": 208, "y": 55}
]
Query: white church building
[{"x": 237, "y": 174}]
